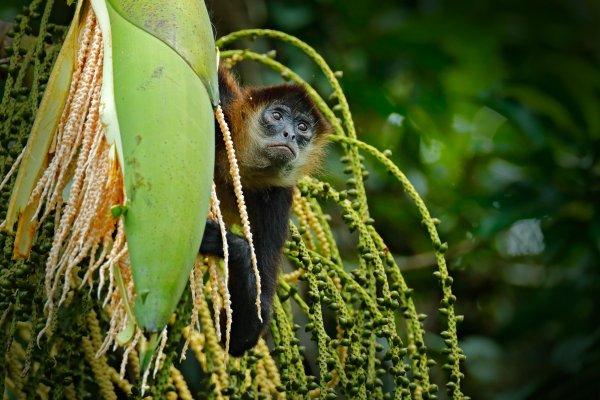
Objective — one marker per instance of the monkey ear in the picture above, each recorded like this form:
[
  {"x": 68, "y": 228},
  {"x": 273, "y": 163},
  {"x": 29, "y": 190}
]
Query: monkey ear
[
  {"x": 323, "y": 127},
  {"x": 228, "y": 86}
]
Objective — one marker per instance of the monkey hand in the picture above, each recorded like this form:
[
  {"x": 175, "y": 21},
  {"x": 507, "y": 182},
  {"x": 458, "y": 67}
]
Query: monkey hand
[
  {"x": 212, "y": 242},
  {"x": 239, "y": 250}
]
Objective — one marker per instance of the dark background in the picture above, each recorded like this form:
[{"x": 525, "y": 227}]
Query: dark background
[{"x": 492, "y": 109}]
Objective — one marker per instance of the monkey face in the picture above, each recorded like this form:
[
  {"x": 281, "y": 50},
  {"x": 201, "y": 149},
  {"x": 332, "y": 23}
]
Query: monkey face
[
  {"x": 279, "y": 133},
  {"x": 285, "y": 134}
]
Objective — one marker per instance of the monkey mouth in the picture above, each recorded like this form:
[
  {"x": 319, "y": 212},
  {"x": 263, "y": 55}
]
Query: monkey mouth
[{"x": 283, "y": 150}]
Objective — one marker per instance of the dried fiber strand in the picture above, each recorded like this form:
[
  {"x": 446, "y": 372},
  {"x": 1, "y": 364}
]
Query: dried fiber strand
[
  {"x": 160, "y": 356},
  {"x": 81, "y": 159},
  {"x": 197, "y": 290},
  {"x": 13, "y": 168},
  {"x": 128, "y": 350},
  {"x": 214, "y": 288}
]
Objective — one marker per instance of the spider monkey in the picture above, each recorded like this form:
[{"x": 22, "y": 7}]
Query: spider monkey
[{"x": 279, "y": 136}]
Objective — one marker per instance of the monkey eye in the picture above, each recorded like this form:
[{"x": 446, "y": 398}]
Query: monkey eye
[
  {"x": 302, "y": 126},
  {"x": 276, "y": 115}
]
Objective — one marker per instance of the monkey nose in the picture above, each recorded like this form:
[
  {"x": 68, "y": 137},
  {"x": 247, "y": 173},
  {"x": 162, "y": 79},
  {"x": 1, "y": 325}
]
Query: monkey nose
[{"x": 287, "y": 135}]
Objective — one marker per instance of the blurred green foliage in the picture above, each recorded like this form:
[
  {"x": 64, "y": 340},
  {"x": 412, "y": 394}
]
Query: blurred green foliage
[{"x": 493, "y": 110}]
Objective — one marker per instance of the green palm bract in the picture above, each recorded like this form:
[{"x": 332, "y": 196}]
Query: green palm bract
[{"x": 164, "y": 79}]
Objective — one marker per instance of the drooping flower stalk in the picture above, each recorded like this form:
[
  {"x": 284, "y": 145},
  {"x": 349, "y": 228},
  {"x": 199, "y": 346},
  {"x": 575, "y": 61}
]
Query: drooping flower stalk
[{"x": 237, "y": 187}]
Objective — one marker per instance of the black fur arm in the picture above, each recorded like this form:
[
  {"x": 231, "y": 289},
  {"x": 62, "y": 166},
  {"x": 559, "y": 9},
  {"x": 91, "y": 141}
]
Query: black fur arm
[{"x": 269, "y": 212}]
